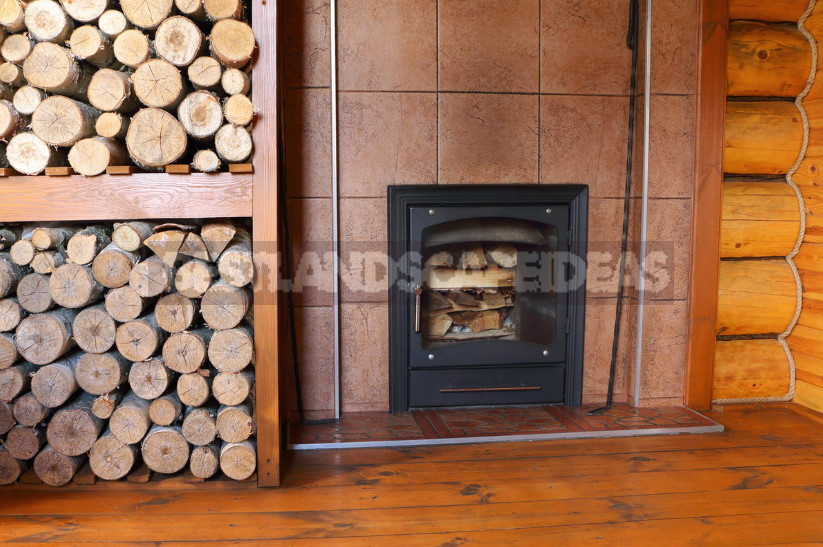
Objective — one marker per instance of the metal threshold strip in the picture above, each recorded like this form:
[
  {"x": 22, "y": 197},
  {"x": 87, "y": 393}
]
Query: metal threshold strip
[{"x": 568, "y": 435}]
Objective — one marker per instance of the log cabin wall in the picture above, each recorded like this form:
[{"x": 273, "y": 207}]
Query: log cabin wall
[
  {"x": 769, "y": 61},
  {"x": 484, "y": 91}
]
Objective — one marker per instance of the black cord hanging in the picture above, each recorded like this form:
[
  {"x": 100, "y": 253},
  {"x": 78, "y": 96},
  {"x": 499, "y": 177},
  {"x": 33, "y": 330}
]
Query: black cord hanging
[{"x": 632, "y": 39}]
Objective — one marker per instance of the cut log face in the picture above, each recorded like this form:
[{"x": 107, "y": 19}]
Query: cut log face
[
  {"x": 102, "y": 373},
  {"x": 124, "y": 304},
  {"x": 85, "y": 11},
  {"x": 235, "y": 82},
  {"x": 194, "y": 388},
  {"x": 16, "y": 47},
  {"x": 233, "y": 144},
  {"x": 151, "y": 277},
  {"x": 223, "y": 9},
  {"x": 29, "y": 155},
  {"x": 45, "y": 262},
  {"x": 10, "y": 275},
  {"x": 138, "y": 340},
  {"x": 53, "y": 384},
  {"x": 157, "y": 83},
  {"x": 85, "y": 244},
  {"x": 50, "y": 237},
  {"x": 231, "y": 350},
  {"x": 10, "y": 120},
  {"x": 239, "y": 110},
  {"x": 175, "y": 312},
  {"x": 94, "y": 330},
  {"x": 201, "y": 114},
  {"x": 61, "y": 121},
  {"x": 178, "y": 41},
  {"x": 191, "y": 8},
  {"x": 92, "y": 156},
  {"x": 165, "y": 450},
  {"x": 15, "y": 380},
  {"x": 47, "y": 22},
  {"x": 7, "y": 417},
  {"x": 199, "y": 425},
  {"x": 156, "y": 138},
  {"x": 12, "y": 15},
  {"x": 111, "y": 91},
  {"x": 22, "y": 252},
  {"x": 146, "y": 14},
  {"x": 33, "y": 293},
  {"x": 206, "y": 161},
  {"x": 150, "y": 379},
  {"x": 166, "y": 245},
  {"x": 91, "y": 45},
  {"x": 185, "y": 352},
  {"x": 27, "y": 99},
  {"x": 194, "y": 247},
  {"x": 205, "y": 461},
  {"x": 24, "y": 443},
  {"x": 56, "y": 469},
  {"x": 129, "y": 236},
  {"x": 238, "y": 460},
  {"x": 44, "y": 337},
  {"x": 112, "y": 266},
  {"x": 74, "y": 286},
  {"x": 11, "y": 74},
  {"x": 111, "y": 459},
  {"x": 205, "y": 72},
  {"x": 28, "y": 411},
  {"x": 53, "y": 68},
  {"x": 104, "y": 405},
  {"x": 236, "y": 265},
  {"x": 11, "y": 313},
  {"x": 217, "y": 235},
  {"x": 73, "y": 429},
  {"x": 235, "y": 423},
  {"x": 132, "y": 48},
  {"x": 166, "y": 410},
  {"x": 233, "y": 388},
  {"x": 130, "y": 420},
  {"x": 113, "y": 23},
  {"x": 232, "y": 42},
  {"x": 10, "y": 467},
  {"x": 224, "y": 306},
  {"x": 112, "y": 125},
  {"x": 8, "y": 351}
]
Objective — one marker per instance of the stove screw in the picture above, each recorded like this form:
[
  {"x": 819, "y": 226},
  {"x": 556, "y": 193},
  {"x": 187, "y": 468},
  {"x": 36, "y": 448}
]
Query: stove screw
[
  {"x": 431, "y": 211},
  {"x": 548, "y": 211},
  {"x": 545, "y": 353},
  {"x": 431, "y": 357}
]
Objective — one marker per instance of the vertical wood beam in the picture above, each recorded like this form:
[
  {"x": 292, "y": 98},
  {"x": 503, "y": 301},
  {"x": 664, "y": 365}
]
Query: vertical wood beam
[
  {"x": 707, "y": 202},
  {"x": 266, "y": 257}
]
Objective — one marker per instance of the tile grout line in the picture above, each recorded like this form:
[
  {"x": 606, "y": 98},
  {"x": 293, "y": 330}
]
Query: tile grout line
[
  {"x": 539, "y": 84},
  {"x": 437, "y": 89}
]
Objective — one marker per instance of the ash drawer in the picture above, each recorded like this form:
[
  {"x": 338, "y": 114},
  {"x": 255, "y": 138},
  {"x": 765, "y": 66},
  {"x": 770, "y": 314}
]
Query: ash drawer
[{"x": 487, "y": 386}]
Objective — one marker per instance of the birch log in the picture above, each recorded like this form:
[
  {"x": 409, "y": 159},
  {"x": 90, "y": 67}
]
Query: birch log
[
  {"x": 110, "y": 459},
  {"x": 44, "y": 337},
  {"x": 101, "y": 373},
  {"x": 73, "y": 429},
  {"x": 130, "y": 420}
]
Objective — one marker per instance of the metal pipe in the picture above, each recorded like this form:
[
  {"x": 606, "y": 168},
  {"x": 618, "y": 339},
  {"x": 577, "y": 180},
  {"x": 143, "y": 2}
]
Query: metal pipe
[
  {"x": 335, "y": 205},
  {"x": 644, "y": 207}
]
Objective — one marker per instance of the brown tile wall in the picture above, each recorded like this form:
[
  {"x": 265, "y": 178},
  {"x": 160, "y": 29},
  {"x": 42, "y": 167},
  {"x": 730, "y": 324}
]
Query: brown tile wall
[{"x": 485, "y": 91}]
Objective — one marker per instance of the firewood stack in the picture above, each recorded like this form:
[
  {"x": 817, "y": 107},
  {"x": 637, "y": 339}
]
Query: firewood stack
[
  {"x": 96, "y": 84},
  {"x": 126, "y": 342},
  {"x": 469, "y": 292}
]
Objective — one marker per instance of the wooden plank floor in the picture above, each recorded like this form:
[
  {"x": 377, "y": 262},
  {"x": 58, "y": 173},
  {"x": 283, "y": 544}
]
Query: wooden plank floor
[{"x": 760, "y": 482}]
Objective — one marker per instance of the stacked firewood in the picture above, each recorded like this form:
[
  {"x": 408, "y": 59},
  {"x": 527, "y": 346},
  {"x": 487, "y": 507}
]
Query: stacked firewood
[
  {"x": 470, "y": 291},
  {"x": 126, "y": 342},
  {"x": 153, "y": 82}
]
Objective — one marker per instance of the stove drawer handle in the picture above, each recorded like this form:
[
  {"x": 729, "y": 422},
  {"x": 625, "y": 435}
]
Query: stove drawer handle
[
  {"x": 418, "y": 291},
  {"x": 487, "y": 389}
]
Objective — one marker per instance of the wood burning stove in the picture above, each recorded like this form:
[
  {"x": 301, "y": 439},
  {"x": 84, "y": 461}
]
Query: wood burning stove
[{"x": 487, "y": 294}]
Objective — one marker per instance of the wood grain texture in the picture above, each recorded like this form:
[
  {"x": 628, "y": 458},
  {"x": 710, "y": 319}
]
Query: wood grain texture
[
  {"x": 707, "y": 200},
  {"x": 266, "y": 246},
  {"x": 755, "y": 297},
  {"x": 750, "y": 368},
  {"x": 761, "y": 138},
  {"x": 137, "y": 196}
]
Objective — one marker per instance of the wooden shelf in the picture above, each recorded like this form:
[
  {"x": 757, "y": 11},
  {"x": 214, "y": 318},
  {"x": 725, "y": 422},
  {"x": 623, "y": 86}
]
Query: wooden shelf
[{"x": 127, "y": 197}]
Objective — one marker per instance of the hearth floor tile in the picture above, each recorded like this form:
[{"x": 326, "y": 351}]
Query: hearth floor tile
[{"x": 464, "y": 424}]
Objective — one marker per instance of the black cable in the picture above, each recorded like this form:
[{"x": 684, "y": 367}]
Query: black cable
[
  {"x": 632, "y": 38},
  {"x": 289, "y": 271}
]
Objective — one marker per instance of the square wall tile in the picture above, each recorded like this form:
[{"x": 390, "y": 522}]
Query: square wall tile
[
  {"x": 600, "y": 314},
  {"x": 315, "y": 347},
  {"x": 583, "y": 47},
  {"x": 310, "y": 231},
  {"x": 605, "y": 236},
  {"x": 668, "y": 248},
  {"x": 583, "y": 139},
  {"x": 308, "y": 142},
  {"x": 386, "y": 138},
  {"x": 364, "y": 250},
  {"x": 306, "y": 43},
  {"x": 665, "y": 333},
  {"x": 488, "y": 138},
  {"x": 365, "y": 356},
  {"x": 675, "y": 26},
  {"x": 489, "y": 45},
  {"x": 671, "y": 146},
  {"x": 387, "y": 45}
]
